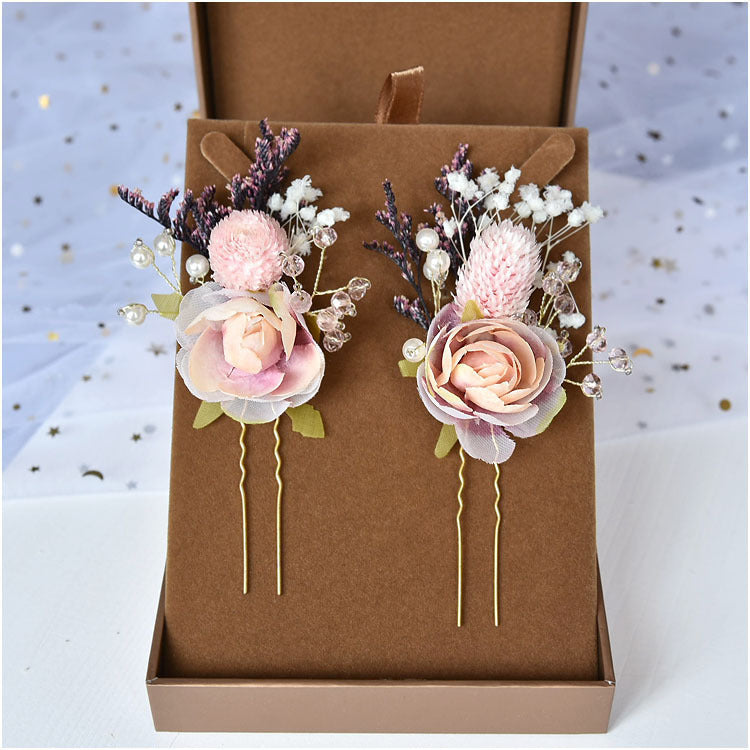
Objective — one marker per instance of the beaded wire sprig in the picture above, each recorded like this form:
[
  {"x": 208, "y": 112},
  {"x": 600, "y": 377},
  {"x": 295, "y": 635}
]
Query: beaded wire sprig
[
  {"x": 247, "y": 335},
  {"x": 499, "y": 253}
]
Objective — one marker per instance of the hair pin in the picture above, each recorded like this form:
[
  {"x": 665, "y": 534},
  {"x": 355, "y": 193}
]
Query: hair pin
[
  {"x": 248, "y": 342},
  {"x": 497, "y": 354}
]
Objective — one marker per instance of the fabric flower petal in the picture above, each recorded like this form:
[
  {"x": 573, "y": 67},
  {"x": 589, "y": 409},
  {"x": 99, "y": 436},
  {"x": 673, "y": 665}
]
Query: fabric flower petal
[{"x": 485, "y": 442}]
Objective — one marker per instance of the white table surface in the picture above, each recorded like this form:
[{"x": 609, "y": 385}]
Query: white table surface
[
  {"x": 672, "y": 541},
  {"x": 664, "y": 93}
]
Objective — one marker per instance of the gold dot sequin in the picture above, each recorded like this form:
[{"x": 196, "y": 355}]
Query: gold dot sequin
[
  {"x": 43, "y": 101},
  {"x": 725, "y": 404}
]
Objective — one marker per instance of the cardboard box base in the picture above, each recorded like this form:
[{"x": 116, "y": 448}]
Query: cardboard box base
[{"x": 424, "y": 706}]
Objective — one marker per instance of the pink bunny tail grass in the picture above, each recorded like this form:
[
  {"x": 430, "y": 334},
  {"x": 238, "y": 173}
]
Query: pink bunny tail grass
[{"x": 499, "y": 274}]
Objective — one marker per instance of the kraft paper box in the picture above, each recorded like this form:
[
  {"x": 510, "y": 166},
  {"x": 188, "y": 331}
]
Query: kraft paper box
[
  {"x": 363, "y": 641},
  {"x": 486, "y": 63},
  {"x": 369, "y": 514}
]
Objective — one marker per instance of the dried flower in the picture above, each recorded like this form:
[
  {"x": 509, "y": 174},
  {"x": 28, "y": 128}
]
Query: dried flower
[
  {"x": 244, "y": 250},
  {"x": 499, "y": 274}
]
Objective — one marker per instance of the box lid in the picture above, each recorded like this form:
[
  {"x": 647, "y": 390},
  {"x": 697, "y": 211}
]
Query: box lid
[{"x": 485, "y": 63}]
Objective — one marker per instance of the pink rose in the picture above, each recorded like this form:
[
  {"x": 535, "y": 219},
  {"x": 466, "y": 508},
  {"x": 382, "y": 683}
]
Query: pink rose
[
  {"x": 248, "y": 350},
  {"x": 490, "y": 377}
]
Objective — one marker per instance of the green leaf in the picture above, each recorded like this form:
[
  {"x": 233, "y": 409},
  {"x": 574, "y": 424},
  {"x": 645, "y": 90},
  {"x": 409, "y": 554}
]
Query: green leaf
[
  {"x": 307, "y": 421},
  {"x": 408, "y": 369},
  {"x": 207, "y": 412},
  {"x": 446, "y": 440},
  {"x": 312, "y": 324},
  {"x": 553, "y": 411},
  {"x": 168, "y": 305},
  {"x": 472, "y": 311}
]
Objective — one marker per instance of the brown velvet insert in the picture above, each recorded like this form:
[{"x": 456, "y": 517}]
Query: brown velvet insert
[
  {"x": 486, "y": 63},
  {"x": 369, "y": 535}
]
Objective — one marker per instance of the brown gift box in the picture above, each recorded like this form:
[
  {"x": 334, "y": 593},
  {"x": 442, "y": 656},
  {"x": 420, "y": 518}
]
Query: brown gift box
[{"x": 364, "y": 638}]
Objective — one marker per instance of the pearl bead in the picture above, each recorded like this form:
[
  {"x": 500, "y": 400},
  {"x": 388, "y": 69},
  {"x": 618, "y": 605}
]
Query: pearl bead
[
  {"x": 164, "y": 244},
  {"x": 427, "y": 239},
  {"x": 197, "y": 266},
  {"x": 134, "y": 313},
  {"x": 141, "y": 256},
  {"x": 413, "y": 350},
  {"x": 437, "y": 265}
]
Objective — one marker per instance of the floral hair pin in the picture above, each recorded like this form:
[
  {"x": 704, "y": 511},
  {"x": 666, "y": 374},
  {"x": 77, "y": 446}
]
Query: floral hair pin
[
  {"x": 494, "y": 365},
  {"x": 246, "y": 350}
]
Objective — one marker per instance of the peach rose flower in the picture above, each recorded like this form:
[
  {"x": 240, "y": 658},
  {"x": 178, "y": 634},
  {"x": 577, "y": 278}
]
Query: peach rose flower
[
  {"x": 248, "y": 350},
  {"x": 489, "y": 377}
]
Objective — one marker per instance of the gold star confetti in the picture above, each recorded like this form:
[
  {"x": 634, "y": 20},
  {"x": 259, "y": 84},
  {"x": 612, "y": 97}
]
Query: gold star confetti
[
  {"x": 86, "y": 378},
  {"x": 725, "y": 404},
  {"x": 34, "y": 469},
  {"x": 113, "y": 190},
  {"x": 53, "y": 336},
  {"x": 43, "y": 101},
  {"x": 105, "y": 88},
  {"x": 135, "y": 437},
  {"x": 643, "y": 350},
  {"x": 53, "y": 431},
  {"x": 16, "y": 407}
]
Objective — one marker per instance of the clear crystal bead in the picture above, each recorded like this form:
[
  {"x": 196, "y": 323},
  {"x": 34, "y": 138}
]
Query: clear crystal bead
[
  {"x": 530, "y": 317},
  {"x": 358, "y": 287},
  {"x": 564, "y": 304},
  {"x": 341, "y": 302},
  {"x": 596, "y": 340},
  {"x": 568, "y": 272},
  {"x": 300, "y": 301},
  {"x": 331, "y": 344},
  {"x": 591, "y": 385},
  {"x": 564, "y": 345},
  {"x": 552, "y": 285},
  {"x": 292, "y": 265},
  {"x": 327, "y": 319},
  {"x": 324, "y": 237},
  {"x": 619, "y": 361},
  {"x": 334, "y": 340}
]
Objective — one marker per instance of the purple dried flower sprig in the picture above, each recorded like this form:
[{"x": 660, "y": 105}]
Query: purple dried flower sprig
[
  {"x": 408, "y": 258},
  {"x": 195, "y": 218}
]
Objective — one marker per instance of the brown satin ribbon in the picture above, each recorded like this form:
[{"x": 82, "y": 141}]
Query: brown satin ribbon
[{"x": 401, "y": 98}]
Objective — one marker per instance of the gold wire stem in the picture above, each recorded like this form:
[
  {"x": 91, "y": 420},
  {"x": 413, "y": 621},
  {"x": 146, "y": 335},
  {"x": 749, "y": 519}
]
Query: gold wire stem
[
  {"x": 244, "y": 508},
  {"x": 162, "y": 274},
  {"x": 496, "y": 578},
  {"x": 458, "y": 527},
  {"x": 320, "y": 271},
  {"x": 278, "y": 504}
]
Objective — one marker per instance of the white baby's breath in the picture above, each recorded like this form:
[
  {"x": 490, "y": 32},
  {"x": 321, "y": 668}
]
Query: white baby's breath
[
  {"x": 573, "y": 320},
  {"x": 275, "y": 202},
  {"x": 489, "y": 179}
]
